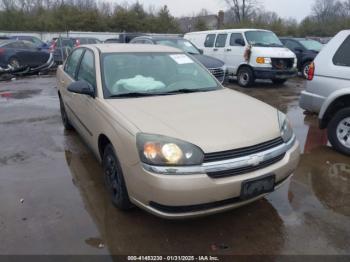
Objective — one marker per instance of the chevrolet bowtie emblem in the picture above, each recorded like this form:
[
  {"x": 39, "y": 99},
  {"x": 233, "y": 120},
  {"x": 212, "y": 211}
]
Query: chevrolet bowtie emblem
[{"x": 255, "y": 160}]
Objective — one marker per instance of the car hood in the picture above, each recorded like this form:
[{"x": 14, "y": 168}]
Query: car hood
[
  {"x": 215, "y": 121},
  {"x": 209, "y": 62},
  {"x": 273, "y": 52}
]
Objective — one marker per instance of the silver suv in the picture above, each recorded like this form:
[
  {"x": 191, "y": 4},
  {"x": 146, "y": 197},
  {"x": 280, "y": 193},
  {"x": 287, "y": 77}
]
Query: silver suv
[{"x": 328, "y": 92}]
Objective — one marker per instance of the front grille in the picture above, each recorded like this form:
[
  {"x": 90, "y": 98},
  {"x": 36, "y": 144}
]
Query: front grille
[
  {"x": 241, "y": 152},
  {"x": 282, "y": 63},
  {"x": 246, "y": 169},
  {"x": 219, "y": 73}
]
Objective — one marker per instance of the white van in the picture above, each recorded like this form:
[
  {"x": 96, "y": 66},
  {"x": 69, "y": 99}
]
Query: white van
[{"x": 249, "y": 54}]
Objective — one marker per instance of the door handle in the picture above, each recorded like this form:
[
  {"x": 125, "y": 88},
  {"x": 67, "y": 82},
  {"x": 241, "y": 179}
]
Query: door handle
[
  {"x": 215, "y": 49},
  {"x": 228, "y": 50}
]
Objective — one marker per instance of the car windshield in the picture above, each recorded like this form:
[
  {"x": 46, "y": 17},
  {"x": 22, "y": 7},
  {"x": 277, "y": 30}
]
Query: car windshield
[
  {"x": 182, "y": 44},
  {"x": 140, "y": 74},
  {"x": 263, "y": 38},
  {"x": 311, "y": 45}
]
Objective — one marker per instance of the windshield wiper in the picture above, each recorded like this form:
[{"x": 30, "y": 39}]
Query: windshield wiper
[
  {"x": 187, "y": 91},
  {"x": 134, "y": 94},
  {"x": 179, "y": 91}
]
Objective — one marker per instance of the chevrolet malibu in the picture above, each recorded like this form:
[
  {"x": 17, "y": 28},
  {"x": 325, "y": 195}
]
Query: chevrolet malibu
[{"x": 171, "y": 139}]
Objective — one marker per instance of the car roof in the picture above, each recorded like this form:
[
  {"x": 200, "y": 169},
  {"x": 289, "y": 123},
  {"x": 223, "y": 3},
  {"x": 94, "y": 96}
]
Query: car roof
[
  {"x": 134, "y": 48},
  {"x": 240, "y": 30}
]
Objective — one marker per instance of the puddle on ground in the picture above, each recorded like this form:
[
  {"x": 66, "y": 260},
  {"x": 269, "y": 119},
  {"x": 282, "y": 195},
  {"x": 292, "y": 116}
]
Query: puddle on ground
[{"x": 18, "y": 94}]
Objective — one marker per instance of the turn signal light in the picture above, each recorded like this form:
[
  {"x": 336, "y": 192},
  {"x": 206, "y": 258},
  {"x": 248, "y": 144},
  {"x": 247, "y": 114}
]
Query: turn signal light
[{"x": 260, "y": 60}]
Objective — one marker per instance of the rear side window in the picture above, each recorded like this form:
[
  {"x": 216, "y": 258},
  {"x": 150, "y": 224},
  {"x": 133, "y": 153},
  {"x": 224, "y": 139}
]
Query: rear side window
[
  {"x": 210, "y": 40},
  {"x": 72, "y": 62},
  {"x": 235, "y": 38},
  {"x": 87, "y": 69},
  {"x": 342, "y": 56},
  {"x": 221, "y": 40}
]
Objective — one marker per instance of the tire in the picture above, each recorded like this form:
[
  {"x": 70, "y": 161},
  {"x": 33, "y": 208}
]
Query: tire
[
  {"x": 66, "y": 123},
  {"x": 305, "y": 69},
  {"x": 279, "y": 81},
  {"x": 339, "y": 131},
  {"x": 14, "y": 62},
  {"x": 245, "y": 77},
  {"x": 114, "y": 179}
]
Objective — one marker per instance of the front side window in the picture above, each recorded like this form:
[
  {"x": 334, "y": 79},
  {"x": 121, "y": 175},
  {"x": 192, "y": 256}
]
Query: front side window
[
  {"x": 72, "y": 62},
  {"x": 236, "y": 39},
  {"x": 182, "y": 44},
  {"x": 153, "y": 74},
  {"x": 293, "y": 45},
  {"x": 263, "y": 39},
  {"x": 221, "y": 40},
  {"x": 342, "y": 56},
  {"x": 210, "y": 40},
  {"x": 87, "y": 69}
]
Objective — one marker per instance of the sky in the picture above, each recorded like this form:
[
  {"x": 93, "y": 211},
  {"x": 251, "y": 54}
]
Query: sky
[{"x": 297, "y": 9}]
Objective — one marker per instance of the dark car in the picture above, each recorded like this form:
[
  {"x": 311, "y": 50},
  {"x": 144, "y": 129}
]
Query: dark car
[
  {"x": 215, "y": 66},
  {"x": 305, "y": 49},
  {"x": 62, "y": 46},
  {"x": 34, "y": 40},
  {"x": 21, "y": 53}
]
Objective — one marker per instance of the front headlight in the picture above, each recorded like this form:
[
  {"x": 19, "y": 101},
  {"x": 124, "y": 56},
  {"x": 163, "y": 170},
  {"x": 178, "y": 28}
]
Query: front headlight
[
  {"x": 285, "y": 127},
  {"x": 165, "y": 151},
  {"x": 263, "y": 60}
]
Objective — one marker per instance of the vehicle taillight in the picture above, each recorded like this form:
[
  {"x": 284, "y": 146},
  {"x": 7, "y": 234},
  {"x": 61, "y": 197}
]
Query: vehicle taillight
[
  {"x": 77, "y": 43},
  {"x": 311, "y": 72},
  {"x": 52, "y": 47},
  {"x": 2, "y": 50}
]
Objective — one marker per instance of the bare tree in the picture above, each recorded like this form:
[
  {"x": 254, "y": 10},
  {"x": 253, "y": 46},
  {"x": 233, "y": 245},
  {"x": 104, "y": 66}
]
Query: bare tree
[{"x": 242, "y": 9}]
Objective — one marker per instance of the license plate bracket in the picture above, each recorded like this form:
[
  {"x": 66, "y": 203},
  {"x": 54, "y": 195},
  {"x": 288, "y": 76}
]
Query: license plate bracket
[{"x": 257, "y": 187}]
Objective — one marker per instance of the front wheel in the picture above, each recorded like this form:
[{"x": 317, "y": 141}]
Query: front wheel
[
  {"x": 115, "y": 180},
  {"x": 279, "y": 81},
  {"x": 245, "y": 77},
  {"x": 339, "y": 131}
]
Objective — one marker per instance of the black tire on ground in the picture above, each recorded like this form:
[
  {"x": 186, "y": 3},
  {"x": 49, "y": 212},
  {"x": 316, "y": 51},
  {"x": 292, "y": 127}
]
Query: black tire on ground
[
  {"x": 245, "y": 77},
  {"x": 114, "y": 179},
  {"x": 305, "y": 69},
  {"x": 14, "y": 62},
  {"x": 66, "y": 123},
  {"x": 339, "y": 131},
  {"x": 279, "y": 81}
]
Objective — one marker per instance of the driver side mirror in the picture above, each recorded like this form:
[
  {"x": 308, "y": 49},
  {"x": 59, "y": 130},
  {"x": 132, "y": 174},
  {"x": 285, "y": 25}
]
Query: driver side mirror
[
  {"x": 240, "y": 42},
  {"x": 82, "y": 88}
]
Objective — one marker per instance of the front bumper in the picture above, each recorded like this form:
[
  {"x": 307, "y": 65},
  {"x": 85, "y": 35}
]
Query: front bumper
[
  {"x": 192, "y": 195},
  {"x": 311, "y": 102},
  {"x": 271, "y": 73}
]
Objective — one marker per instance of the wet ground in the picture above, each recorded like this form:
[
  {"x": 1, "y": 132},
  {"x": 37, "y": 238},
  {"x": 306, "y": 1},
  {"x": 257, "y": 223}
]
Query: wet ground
[{"x": 53, "y": 200}]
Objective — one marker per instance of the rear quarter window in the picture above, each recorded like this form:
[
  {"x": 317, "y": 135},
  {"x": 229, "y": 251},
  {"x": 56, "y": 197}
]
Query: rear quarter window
[{"x": 342, "y": 56}]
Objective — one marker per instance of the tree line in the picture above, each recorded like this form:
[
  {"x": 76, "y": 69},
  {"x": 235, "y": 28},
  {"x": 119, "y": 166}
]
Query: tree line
[{"x": 326, "y": 19}]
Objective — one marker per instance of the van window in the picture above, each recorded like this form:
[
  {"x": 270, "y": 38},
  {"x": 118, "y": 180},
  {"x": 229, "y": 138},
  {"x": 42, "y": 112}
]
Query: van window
[
  {"x": 209, "y": 41},
  {"x": 234, "y": 38},
  {"x": 221, "y": 40},
  {"x": 342, "y": 56}
]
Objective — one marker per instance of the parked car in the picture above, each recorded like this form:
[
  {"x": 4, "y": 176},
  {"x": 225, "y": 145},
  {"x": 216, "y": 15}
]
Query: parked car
[
  {"x": 21, "y": 53},
  {"x": 34, "y": 40},
  {"x": 171, "y": 139},
  {"x": 249, "y": 54},
  {"x": 328, "y": 91},
  {"x": 112, "y": 41},
  {"x": 305, "y": 49},
  {"x": 85, "y": 41},
  {"x": 215, "y": 66}
]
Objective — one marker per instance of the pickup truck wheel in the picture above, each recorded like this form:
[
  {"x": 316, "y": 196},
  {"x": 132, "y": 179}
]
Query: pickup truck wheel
[
  {"x": 245, "y": 77},
  {"x": 305, "y": 69},
  {"x": 279, "y": 81},
  {"x": 339, "y": 131},
  {"x": 67, "y": 125},
  {"x": 114, "y": 179}
]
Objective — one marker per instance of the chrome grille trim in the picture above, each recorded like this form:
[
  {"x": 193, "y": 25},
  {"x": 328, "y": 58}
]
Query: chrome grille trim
[{"x": 219, "y": 73}]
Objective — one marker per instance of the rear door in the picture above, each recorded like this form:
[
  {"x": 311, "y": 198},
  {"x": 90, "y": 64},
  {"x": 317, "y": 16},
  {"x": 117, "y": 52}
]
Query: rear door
[
  {"x": 65, "y": 76},
  {"x": 31, "y": 54},
  {"x": 209, "y": 45},
  {"x": 220, "y": 46}
]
